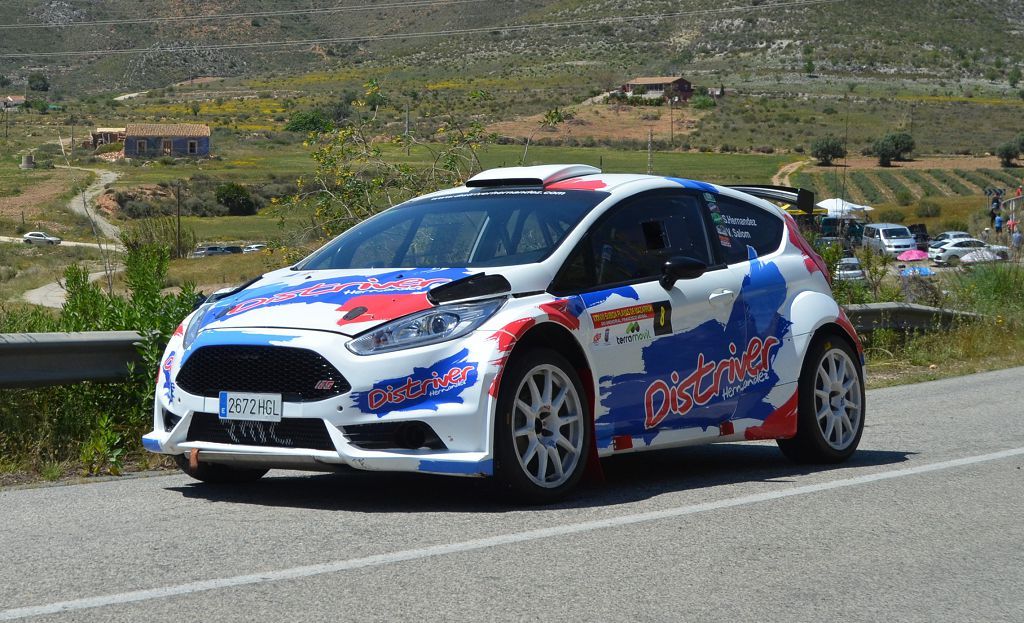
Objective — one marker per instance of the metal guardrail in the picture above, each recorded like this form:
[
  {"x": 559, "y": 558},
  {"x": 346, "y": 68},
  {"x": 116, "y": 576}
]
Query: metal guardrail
[
  {"x": 902, "y": 316},
  {"x": 41, "y": 359}
]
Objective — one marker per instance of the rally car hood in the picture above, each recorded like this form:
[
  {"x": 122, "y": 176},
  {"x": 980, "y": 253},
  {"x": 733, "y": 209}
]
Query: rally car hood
[{"x": 344, "y": 301}]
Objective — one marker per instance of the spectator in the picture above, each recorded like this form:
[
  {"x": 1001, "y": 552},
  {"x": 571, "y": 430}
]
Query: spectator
[
  {"x": 998, "y": 222},
  {"x": 1020, "y": 190},
  {"x": 1015, "y": 242},
  {"x": 985, "y": 234}
]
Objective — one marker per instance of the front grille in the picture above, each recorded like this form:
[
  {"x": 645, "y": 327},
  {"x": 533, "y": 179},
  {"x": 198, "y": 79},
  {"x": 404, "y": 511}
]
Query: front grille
[
  {"x": 299, "y": 375},
  {"x": 411, "y": 435},
  {"x": 310, "y": 433}
]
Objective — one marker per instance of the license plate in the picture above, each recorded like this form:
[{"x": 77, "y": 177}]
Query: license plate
[{"x": 244, "y": 406}]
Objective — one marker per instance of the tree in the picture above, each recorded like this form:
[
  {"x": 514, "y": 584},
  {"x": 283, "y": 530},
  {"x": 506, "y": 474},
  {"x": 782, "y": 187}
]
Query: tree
[
  {"x": 1008, "y": 152},
  {"x": 550, "y": 120},
  {"x": 885, "y": 149},
  {"x": 194, "y": 106},
  {"x": 904, "y": 144},
  {"x": 4, "y": 80},
  {"x": 1014, "y": 77},
  {"x": 236, "y": 199},
  {"x": 38, "y": 82},
  {"x": 826, "y": 149},
  {"x": 309, "y": 121}
]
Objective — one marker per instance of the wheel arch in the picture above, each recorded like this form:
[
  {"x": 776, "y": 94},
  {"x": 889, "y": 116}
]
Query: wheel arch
[
  {"x": 816, "y": 314},
  {"x": 555, "y": 336}
]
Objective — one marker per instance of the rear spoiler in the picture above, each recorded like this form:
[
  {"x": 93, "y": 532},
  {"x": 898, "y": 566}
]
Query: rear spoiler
[{"x": 802, "y": 198}]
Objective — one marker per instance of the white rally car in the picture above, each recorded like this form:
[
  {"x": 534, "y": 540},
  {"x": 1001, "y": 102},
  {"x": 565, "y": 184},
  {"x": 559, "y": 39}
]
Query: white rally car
[{"x": 517, "y": 328}]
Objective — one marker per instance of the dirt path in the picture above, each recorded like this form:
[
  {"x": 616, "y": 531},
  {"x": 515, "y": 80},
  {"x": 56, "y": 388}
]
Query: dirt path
[
  {"x": 79, "y": 202},
  {"x": 781, "y": 178},
  {"x": 54, "y": 294}
]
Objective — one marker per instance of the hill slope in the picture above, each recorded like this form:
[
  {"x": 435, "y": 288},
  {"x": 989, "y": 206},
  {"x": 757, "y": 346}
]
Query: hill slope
[{"x": 768, "y": 39}]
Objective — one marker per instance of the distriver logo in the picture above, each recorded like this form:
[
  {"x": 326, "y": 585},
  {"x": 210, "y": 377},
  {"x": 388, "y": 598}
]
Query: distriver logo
[
  {"x": 679, "y": 397},
  {"x": 439, "y": 383},
  {"x": 367, "y": 286}
]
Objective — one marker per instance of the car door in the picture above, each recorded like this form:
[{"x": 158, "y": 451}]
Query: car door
[{"x": 654, "y": 347}]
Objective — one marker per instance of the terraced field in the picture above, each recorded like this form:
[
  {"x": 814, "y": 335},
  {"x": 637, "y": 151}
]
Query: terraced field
[{"x": 881, "y": 186}]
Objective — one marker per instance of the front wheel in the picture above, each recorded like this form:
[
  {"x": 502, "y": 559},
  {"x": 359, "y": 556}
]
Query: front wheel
[
  {"x": 216, "y": 473},
  {"x": 830, "y": 417},
  {"x": 542, "y": 428}
]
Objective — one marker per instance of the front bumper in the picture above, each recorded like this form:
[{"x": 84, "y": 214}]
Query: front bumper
[{"x": 405, "y": 387}]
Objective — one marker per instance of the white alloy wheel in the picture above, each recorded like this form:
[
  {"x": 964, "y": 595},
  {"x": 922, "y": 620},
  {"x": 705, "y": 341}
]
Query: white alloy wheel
[
  {"x": 837, "y": 400},
  {"x": 547, "y": 426}
]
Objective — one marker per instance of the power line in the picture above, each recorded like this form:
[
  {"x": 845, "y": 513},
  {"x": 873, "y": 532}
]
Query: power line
[
  {"x": 197, "y": 18},
  {"x": 421, "y": 35}
]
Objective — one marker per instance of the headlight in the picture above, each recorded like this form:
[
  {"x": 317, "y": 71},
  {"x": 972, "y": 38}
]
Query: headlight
[
  {"x": 192, "y": 330},
  {"x": 431, "y": 326}
]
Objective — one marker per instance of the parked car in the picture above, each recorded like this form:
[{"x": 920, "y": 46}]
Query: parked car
[
  {"x": 921, "y": 238},
  {"x": 518, "y": 327},
  {"x": 232, "y": 249},
  {"x": 949, "y": 235},
  {"x": 849, "y": 269},
  {"x": 207, "y": 250},
  {"x": 846, "y": 230},
  {"x": 39, "y": 237},
  {"x": 254, "y": 248},
  {"x": 889, "y": 238},
  {"x": 952, "y": 251}
]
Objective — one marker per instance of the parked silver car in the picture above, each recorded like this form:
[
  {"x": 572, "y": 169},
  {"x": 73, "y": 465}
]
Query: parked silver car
[
  {"x": 849, "y": 269},
  {"x": 954, "y": 250}
]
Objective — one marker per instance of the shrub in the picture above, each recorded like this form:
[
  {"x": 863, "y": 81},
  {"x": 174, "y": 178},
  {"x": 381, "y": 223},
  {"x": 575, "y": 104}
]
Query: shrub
[
  {"x": 1008, "y": 152},
  {"x": 904, "y": 197},
  {"x": 826, "y": 149},
  {"x": 309, "y": 121},
  {"x": 109, "y": 148},
  {"x": 702, "y": 102},
  {"x": 886, "y": 150},
  {"x": 236, "y": 198},
  {"x": 927, "y": 208},
  {"x": 955, "y": 225},
  {"x": 890, "y": 216}
]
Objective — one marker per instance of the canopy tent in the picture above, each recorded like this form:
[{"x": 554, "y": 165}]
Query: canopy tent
[{"x": 840, "y": 207}]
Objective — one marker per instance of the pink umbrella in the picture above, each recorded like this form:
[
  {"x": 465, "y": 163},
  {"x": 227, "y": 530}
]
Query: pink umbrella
[{"x": 912, "y": 255}]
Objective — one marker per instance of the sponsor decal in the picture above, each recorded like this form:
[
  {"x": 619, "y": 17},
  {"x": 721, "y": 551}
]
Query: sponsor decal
[
  {"x": 724, "y": 378},
  {"x": 425, "y": 388},
  {"x": 632, "y": 325},
  {"x": 327, "y": 384},
  {"x": 622, "y": 315},
  {"x": 168, "y": 383},
  {"x": 368, "y": 286}
]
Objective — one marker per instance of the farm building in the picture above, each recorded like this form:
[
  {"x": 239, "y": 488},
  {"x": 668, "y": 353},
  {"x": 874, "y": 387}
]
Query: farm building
[
  {"x": 105, "y": 136},
  {"x": 655, "y": 86},
  {"x": 152, "y": 140},
  {"x": 12, "y": 101}
]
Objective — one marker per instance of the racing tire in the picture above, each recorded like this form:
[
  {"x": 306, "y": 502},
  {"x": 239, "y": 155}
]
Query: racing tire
[
  {"x": 542, "y": 428},
  {"x": 830, "y": 404},
  {"x": 216, "y": 473}
]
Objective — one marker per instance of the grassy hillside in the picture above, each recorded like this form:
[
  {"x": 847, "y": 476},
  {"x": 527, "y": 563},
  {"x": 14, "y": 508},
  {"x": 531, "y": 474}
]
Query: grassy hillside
[{"x": 765, "y": 41}]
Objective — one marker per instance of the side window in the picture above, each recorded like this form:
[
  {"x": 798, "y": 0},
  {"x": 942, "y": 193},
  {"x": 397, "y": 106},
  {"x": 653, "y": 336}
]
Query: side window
[
  {"x": 634, "y": 239},
  {"x": 741, "y": 225}
]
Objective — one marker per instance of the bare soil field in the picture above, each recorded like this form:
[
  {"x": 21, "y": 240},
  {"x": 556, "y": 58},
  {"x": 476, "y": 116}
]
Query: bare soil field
[{"x": 605, "y": 122}]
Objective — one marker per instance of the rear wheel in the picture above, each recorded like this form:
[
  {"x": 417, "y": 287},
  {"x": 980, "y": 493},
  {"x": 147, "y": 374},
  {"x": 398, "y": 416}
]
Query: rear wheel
[
  {"x": 953, "y": 260},
  {"x": 542, "y": 428},
  {"x": 215, "y": 473},
  {"x": 830, "y": 404}
]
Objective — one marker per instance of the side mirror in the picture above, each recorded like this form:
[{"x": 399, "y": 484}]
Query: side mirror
[{"x": 680, "y": 267}]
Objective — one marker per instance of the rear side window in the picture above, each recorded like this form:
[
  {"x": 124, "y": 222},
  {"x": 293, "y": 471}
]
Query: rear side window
[{"x": 741, "y": 225}]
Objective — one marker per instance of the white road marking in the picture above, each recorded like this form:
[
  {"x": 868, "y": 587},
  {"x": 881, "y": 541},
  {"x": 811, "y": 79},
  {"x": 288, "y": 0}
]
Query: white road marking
[{"x": 479, "y": 544}]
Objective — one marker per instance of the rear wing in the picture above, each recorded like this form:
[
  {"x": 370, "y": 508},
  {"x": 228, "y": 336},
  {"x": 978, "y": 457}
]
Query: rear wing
[{"x": 801, "y": 198}]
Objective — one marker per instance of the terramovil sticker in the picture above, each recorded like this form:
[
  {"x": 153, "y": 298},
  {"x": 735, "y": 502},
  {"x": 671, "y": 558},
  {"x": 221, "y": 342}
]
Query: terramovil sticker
[
  {"x": 426, "y": 388},
  {"x": 631, "y": 325}
]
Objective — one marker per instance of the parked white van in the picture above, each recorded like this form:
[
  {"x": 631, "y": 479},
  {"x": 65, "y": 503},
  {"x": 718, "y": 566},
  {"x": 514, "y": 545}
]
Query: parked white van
[{"x": 888, "y": 238}]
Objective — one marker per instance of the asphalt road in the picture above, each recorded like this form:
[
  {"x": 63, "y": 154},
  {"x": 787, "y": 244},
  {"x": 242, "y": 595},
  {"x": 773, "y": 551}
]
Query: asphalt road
[{"x": 925, "y": 524}]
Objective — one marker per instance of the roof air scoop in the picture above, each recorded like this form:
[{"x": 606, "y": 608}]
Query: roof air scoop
[{"x": 530, "y": 176}]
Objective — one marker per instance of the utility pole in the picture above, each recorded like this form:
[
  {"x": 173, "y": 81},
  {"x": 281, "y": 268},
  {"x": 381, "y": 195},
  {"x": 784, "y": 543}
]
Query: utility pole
[
  {"x": 177, "y": 235},
  {"x": 671, "y": 123},
  {"x": 650, "y": 152},
  {"x": 407, "y": 146}
]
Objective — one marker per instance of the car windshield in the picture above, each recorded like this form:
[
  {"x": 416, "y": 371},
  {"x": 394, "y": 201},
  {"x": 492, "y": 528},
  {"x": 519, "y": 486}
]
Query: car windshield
[
  {"x": 896, "y": 232},
  {"x": 473, "y": 229}
]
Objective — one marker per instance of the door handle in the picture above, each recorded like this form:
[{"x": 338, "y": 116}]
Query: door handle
[{"x": 721, "y": 296}]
